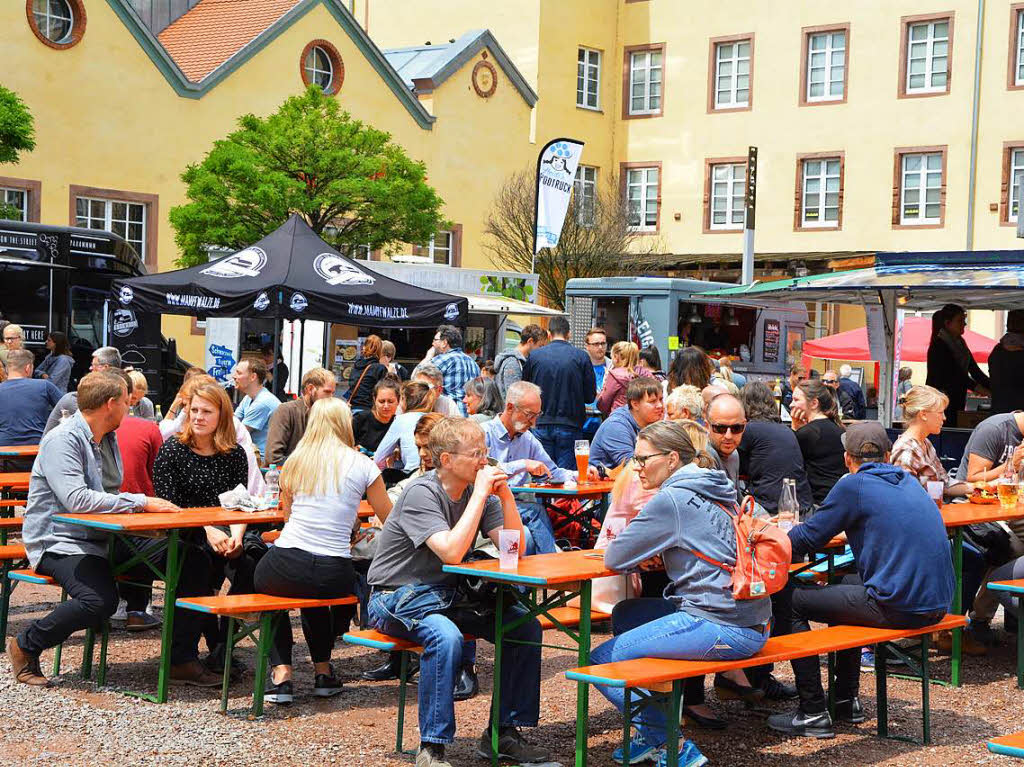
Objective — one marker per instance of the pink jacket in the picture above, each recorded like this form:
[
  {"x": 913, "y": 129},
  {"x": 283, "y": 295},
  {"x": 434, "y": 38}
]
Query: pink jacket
[{"x": 613, "y": 391}]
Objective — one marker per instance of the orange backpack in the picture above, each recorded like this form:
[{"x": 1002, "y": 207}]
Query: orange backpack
[{"x": 763, "y": 554}]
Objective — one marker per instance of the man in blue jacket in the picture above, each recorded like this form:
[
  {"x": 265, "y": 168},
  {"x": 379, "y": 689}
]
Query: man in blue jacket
[
  {"x": 616, "y": 437},
  {"x": 565, "y": 375},
  {"x": 904, "y": 574}
]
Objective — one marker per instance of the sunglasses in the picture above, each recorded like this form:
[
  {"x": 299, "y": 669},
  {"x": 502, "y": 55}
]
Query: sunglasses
[{"x": 722, "y": 428}]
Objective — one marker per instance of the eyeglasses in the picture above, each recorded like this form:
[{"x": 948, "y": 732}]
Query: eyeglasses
[
  {"x": 722, "y": 428},
  {"x": 597, "y": 343},
  {"x": 641, "y": 460},
  {"x": 830, "y": 381},
  {"x": 531, "y": 414},
  {"x": 11, "y": 338},
  {"x": 476, "y": 455}
]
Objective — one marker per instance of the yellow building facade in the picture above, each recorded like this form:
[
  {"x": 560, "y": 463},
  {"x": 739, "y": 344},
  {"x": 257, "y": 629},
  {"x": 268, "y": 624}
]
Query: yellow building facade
[{"x": 122, "y": 104}]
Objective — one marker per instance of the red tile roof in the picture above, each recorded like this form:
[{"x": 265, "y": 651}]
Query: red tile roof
[{"x": 215, "y": 30}]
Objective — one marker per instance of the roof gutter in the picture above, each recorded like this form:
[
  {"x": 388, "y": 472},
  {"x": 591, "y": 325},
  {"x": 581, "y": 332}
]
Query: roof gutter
[{"x": 972, "y": 182}]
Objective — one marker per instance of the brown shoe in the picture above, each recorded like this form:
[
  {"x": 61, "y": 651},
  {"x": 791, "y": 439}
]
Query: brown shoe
[
  {"x": 25, "y": 667},
  {"x": 141, "y": 621},
  {"x": 968, "y": 644},
  {"x": 195, "y": 674}
]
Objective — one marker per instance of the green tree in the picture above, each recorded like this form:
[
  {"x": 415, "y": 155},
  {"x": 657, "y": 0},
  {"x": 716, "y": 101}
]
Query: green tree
[
  {"x": 17, "y": 134},
  {"x": 350, "y": 181}
]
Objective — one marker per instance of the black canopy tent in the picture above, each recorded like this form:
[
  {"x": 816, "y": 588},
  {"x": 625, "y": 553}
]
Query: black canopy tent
[{"x": 291, "y": 274}]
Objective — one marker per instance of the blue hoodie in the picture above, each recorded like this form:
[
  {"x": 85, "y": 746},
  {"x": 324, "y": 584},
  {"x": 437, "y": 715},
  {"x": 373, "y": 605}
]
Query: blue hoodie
[
  {"x": 684, "y": 515},
  {"x": 896, "y": 534}
]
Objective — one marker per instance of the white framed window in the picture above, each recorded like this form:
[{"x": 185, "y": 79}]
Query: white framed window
[
  {"x": 1016, "y": 179},
  {"x": 55, "y": 19},
  {"x": 826, "y": 65},
  {"x": 17, "y": 199},
  {"x": 732, "y": 74},
  {"x": 728, "y": 186},
  {"x": 588, "y": 78},
  {"x": 1018, "y": 77},
  {"x": 319, "y": 68},
  {"x": 645, "y": 82},
  {"x": 584, "y": 189},
  {"x": 360, "y": 252},
  {"x": 126, "y": 219},
  {"x": 642, "y": 186},
  {"x": 921, "y": 188},
  {"x": 439, "y": 248},
  {"x": 819, "y": 205},
  {"x": 928, "y": 57}
]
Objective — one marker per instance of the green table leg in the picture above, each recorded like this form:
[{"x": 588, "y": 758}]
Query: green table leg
[
  {"x": 926, "y": 716},
  {"x": 262, "y": 653},
  {"x": 1020, "y": 643},
  {"x": 6, "y": 587},
  {"x": 627, "y": 725},
  {"x": 226, "y": 682},
  {"x": 101, "y": 672},
  {"x": 499, "y": 641},
  {"x": 60, "y": 647},
  {"x": 403, "y": 684},
  {"x": 583, "y": 689},
  {"x": 672, "y": 725},
  {"x": 172, "y": 571},
  {"x": 958, "y": 572},
  {"x": 881, "y": 689}
]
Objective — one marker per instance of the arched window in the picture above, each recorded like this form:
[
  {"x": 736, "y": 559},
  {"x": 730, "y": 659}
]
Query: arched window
[
  {"x": 321, "y": 64},
  {"x": 58, "y": 23}
]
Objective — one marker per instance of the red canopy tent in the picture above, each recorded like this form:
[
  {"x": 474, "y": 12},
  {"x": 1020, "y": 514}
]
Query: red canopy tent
[{"x": 853, "y": 344}]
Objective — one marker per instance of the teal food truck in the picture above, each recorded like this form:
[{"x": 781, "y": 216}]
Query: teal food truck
[{"x": 672, "y": 313}]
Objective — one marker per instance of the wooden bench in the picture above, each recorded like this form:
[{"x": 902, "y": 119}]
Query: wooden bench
[
  {"x": 27, "y": 575},
  {"x": 1017, "y": 589},
  {"x": 1008, "y": 745},
  {"x": 568, "y": 617},
  {"x": 655, "y": 681},
  {"x": 258, "y": 614}
]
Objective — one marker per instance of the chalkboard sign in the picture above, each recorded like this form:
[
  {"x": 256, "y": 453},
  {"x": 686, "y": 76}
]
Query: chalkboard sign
[{"x": 772, "y": 339}]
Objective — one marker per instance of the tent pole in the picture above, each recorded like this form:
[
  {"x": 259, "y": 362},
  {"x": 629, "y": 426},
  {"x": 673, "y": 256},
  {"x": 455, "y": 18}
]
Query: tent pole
[
  {"x": 302, "y": 345},
  {"x": 277, "y": 341},
  {"x": 886, "y": 366}
]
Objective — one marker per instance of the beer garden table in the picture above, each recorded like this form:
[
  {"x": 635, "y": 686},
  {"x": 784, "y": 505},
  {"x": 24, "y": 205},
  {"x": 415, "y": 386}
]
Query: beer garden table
[
  {"x": 593, "y": 495},
  {"x": 169, "y": 525}
]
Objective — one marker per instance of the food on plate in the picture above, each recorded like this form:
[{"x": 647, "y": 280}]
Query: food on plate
[{"x": 984, "y": 493}]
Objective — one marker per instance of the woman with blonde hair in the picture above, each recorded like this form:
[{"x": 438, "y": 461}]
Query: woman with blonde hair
[
  {"x": 322, "y": 484},
  {"x": 192, "y": 470},
  {"x": 398, "y": 447},
  {"x": 924, "y": 413},
  {"x": 625, "y": 367}
]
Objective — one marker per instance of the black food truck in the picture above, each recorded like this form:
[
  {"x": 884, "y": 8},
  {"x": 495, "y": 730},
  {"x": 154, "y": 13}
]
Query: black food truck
[{"x": 59, "y": 278}]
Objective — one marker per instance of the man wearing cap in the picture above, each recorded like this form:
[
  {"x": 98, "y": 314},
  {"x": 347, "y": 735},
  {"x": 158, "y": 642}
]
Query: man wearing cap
[
  {"x": 1006, "y": 366},
  {"x": 904, "y": 574}
]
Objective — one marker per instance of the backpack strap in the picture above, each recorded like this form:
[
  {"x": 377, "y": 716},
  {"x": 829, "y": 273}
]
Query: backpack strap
[{"x": 737, "y": 510}]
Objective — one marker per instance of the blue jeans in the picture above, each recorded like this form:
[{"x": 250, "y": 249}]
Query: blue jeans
[
  {"x": 418, "y": 612},
  {"x": 680, "y": 636},
  {"x": 540, "y": 538},
  {"x": 559, "y": 443}
]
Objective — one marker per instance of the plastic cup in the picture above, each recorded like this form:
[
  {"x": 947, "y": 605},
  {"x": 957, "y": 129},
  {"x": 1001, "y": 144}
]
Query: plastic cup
[
  {"x": 508, "y": 549},
  {"x": 935, "y": 490}
]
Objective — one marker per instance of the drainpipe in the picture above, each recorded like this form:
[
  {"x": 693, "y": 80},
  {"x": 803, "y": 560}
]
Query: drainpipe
[{"x": 973, "y": 174}]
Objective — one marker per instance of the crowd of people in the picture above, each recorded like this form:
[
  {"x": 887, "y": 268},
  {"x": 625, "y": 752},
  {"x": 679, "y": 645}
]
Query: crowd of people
[{"x": 437, "y": 451}]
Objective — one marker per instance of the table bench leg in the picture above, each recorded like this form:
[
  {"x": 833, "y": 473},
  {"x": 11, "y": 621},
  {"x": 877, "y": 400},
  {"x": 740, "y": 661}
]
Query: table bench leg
[
  {"x": 957, "y": 608},
  {"x": 228, "y": 651},
  {"x": 881, "y": 690},
  {"x": 87, "y": 651},
  {"x": 499, "y": 642},
  {"x": 582, "y": 689},
  {"x": 6, "y": 586},
  {"x": 926, "y": 715},
  {"x": 60, "y": 647},
  {"x": 403, "y": 686},
  {"x": 101, "y": 672},
  {"x": 831, "y": 689},
  {"x": 672, "y": 725},
  {"x": 627, "y": 725},
  {"x": 262, "y": 654},
  {"x": 1020, "y": 643}
]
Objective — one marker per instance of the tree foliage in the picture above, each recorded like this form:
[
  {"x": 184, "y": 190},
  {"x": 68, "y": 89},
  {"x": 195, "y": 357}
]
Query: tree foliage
[
  {"x": 17, "y": 131},
  {"x": 595, "y": 242},
  {"x": 350, "y": 181}
]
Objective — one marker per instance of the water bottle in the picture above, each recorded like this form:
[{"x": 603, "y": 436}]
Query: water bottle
[
  {"x": 273, "y": 491},
  {"x": 789, "y": 506}
]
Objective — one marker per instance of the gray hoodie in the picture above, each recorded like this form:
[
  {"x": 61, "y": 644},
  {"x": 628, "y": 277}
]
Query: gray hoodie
[
  {"x": 683, "y": 516},
  {"x": 507, "y": 373}
]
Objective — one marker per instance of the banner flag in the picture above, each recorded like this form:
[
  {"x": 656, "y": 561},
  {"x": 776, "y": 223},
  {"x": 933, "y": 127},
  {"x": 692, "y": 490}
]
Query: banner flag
[{"x": 556, "y": 171}]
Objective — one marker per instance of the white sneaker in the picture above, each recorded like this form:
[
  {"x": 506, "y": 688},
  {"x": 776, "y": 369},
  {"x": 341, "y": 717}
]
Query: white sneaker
[{"x": 122, "y": 612}]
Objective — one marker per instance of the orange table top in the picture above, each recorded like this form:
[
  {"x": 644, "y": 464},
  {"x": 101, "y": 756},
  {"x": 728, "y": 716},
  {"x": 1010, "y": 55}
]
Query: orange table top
[
  {"x": 960, "y": 514},
  {"x": 11, "y": 523},
  {"x": 365, "y": 510},
  {"x": 14, "y": 480},
  {"x": 600, "y": 487},
  {"x": 541, "y": 569},
  {"x": 19, "y": 451},
  {"x": 186, "y": 518}
]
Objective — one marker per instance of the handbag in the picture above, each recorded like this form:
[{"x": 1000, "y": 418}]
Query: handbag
[{"x": 992, "y": 541}]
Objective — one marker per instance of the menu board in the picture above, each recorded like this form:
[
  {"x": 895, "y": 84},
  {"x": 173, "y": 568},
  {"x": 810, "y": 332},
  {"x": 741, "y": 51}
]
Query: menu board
[{"x": 772, "y": 340}]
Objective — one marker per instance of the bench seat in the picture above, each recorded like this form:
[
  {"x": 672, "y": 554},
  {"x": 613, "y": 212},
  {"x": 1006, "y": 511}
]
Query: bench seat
[
  {"x": 12, "y": 551},
  {"x": 1015, "y": 588},
  {"x": 31, "y": 576},
  {"x": 249, "y": 604},
  {"x": 1008, "y": 745},
  {"x": 569, "y": 617}
]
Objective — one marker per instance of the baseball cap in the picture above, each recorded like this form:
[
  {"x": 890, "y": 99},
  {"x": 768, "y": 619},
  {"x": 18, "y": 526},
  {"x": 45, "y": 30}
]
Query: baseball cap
[{"x": 866, "y": 439}]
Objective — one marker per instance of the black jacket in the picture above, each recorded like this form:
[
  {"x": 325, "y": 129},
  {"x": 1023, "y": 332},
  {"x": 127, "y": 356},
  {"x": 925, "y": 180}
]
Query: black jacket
[
  {"x": 1006, "y": 369},
  {"x": 946, "y": 376},
  {"x": 565, "y": 376},
  {"x": 362, "y": 395}
]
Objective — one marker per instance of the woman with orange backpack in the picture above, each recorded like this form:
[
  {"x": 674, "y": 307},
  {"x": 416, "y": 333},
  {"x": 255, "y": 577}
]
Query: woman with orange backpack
[{"x": 689, "y": 524}]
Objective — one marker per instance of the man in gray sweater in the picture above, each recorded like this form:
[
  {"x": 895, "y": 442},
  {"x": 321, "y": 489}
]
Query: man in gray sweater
[{"x": 508, "y": 365}]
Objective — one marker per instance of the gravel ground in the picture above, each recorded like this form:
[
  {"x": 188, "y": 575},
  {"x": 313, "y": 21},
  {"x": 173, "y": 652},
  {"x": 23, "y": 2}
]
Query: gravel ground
[{"x": 74, "y": 723}]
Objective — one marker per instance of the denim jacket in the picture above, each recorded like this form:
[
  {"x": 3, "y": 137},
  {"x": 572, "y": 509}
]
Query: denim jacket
[{"x": 410, "y": 604}]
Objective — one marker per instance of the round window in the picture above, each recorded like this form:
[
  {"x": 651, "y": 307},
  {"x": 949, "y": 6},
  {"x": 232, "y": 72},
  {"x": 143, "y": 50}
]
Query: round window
[
  {"x": 321, "y": 64},
  {"x": 58, "y": 23},
  {"x": 318, "y": 67}
]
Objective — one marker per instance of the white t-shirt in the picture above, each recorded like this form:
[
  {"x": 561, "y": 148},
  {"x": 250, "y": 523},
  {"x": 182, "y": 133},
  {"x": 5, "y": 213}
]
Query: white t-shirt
[{"x": 322, "y": 524}]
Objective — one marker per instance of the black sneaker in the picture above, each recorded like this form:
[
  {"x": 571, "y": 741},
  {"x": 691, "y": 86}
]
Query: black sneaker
[
  {"x": 850, "y": 710},
  {"x": 390, "y": 668},
  {"x": 799, "y": 723},
  {"x": 511, "y": 745},
  {"x": 466, "y": 685},
  {"x": 281, "y": 694},
  {"x": 776, "y": 690},
  {"x": 326, "y": 685}
]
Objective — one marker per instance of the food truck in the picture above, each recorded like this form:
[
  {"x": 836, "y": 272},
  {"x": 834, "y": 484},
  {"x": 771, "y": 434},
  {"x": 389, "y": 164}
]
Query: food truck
[
  {"x": 671, "y": 313},
  {"x": 60, "y": 277}
]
